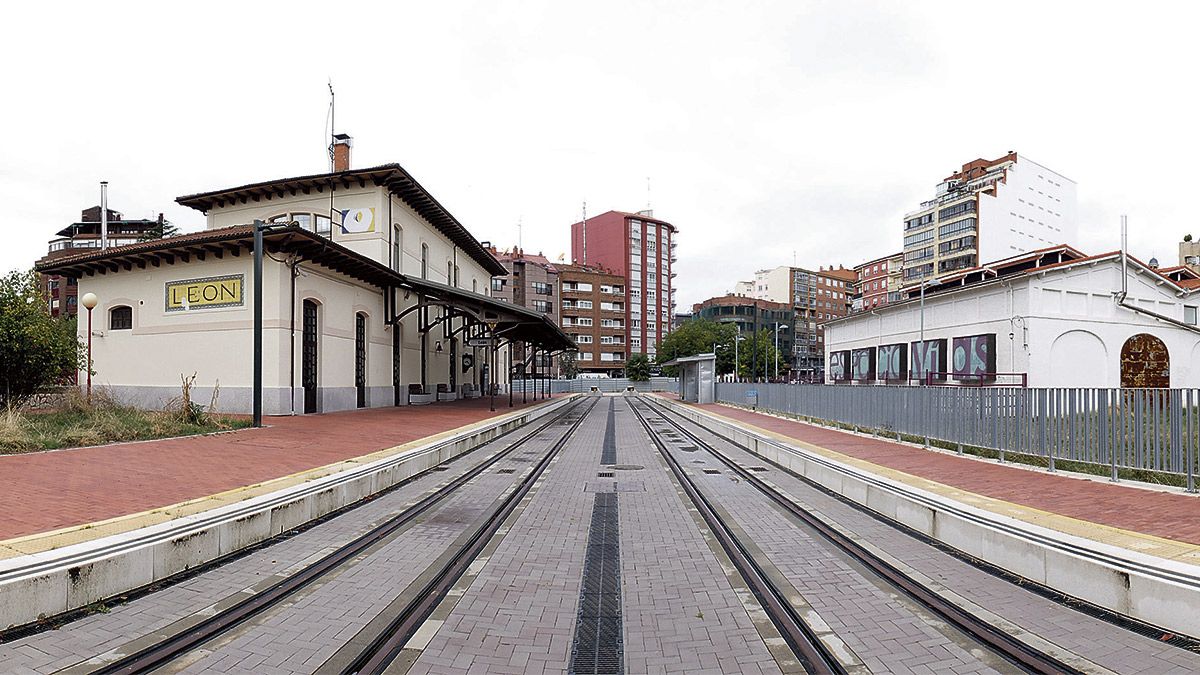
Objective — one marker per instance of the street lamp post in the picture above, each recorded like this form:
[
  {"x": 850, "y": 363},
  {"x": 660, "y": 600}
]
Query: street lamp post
[
  {"x": 89, "y": 301},
  {"x": 778, "y": 325}
]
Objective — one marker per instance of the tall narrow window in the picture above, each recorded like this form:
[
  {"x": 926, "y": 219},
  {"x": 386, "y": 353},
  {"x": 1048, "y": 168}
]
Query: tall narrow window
[
  {"x": 424, "y": 261},
  {"x": 456, "y": 276},
  {"x": 449, "y": 273},
  {"x": 474, "y": 285},
  {"x": 397, "y": 246}
]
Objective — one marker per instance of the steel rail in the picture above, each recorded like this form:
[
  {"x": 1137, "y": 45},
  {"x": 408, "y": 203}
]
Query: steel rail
[
  {"x": 998, "y": 641},
  {"x": 169, "y": 649},
  {"x": 808, "y": 648},
  {"x": 385, "y": 646}
]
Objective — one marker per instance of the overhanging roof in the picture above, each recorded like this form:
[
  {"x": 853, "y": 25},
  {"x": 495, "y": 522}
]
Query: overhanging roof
[
  {"x": 511, "y": 321},
  {"x": 392, "y": 176}
]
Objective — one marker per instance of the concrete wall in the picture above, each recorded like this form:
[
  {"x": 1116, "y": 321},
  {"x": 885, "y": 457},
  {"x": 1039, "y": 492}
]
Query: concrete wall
[{"x": 1034, "y": 208}]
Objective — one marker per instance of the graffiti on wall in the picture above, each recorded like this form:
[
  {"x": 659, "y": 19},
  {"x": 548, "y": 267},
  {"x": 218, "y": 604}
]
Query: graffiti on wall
[
  {"x": 893, "y": 362},
  {"x": 862, "y": 364},
  {"x": 929, "y": 357},
  {"x": 974, "y": 357},
  {"x": 839, "y": 366}
]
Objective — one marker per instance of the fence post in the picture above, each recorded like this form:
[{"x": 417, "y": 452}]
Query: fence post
[{"x": 1187, "y": 448}]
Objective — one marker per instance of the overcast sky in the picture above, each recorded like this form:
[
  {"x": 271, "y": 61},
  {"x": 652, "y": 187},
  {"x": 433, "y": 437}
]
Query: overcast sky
[{"x": 767, "y": 129}]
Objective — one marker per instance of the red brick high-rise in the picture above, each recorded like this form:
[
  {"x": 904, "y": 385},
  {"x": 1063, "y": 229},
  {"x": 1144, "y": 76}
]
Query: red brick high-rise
[{"x": 640, "y": 248}]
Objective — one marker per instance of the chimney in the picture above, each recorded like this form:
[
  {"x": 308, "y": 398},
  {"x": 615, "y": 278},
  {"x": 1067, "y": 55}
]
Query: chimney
[{"x": 341, "y": 152}]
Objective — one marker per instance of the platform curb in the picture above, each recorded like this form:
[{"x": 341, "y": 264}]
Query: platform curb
[
  {"x": 1155, "y": 590},
  {"x": 41, "y": 585}
]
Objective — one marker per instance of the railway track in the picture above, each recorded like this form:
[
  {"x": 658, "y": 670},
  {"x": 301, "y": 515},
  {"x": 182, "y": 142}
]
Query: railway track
[
  {"x": 378, "y": 654},
  {"x": 814, "y": 655}
]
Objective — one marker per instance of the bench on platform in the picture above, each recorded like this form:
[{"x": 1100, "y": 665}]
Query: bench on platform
[
  {"x": 444, "y": 393},
  {"x": 418, "y": 396}
]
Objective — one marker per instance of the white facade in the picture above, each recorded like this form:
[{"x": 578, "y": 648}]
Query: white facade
[
  {"x": 1062, "y": 326},
  {"x": 1033, "y": 208},
  {"x": 141, "y": 349}
]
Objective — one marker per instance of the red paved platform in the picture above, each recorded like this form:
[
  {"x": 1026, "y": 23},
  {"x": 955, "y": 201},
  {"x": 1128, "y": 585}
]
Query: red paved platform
[
  {"x": 50, "y": 490},
  {"x": 1162, "y": 514}
]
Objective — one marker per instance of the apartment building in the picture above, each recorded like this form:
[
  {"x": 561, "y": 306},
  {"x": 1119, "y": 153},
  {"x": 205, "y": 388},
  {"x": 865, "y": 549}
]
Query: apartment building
[
  {"x": 878, "y": 282},
  {"x": 816, "y": 296},
  {"x": 532, "y": 281},
  {"x": 988, "y": 210},
  {"x": 594, "y": 311},
  {"x": 751, "y": 315},
  {"x": 61, "y": 291},
  {"x": 641, "y": 249}
]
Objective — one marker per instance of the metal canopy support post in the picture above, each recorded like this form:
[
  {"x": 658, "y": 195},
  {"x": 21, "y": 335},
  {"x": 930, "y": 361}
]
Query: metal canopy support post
[
  {"x": 524, "y": 375},
  {"x": 258, "y": 321},
  {"x": 492, "y": 369},
  {"x": 423, "y": 320},
  {"x": 510, "y": 371}
]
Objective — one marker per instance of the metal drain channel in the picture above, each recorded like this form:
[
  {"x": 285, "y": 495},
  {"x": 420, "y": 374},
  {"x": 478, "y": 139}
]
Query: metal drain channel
[
  {"x": 599, "y": 647},
  {"x": 609, "y": 454}
]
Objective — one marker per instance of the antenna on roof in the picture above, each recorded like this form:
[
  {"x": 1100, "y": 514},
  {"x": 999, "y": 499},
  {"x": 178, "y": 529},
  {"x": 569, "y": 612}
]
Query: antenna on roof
[
  {"x": 519, "y": 223},
  {"x": 332, "y": 122},
  {"x": 647, "y": 193}
]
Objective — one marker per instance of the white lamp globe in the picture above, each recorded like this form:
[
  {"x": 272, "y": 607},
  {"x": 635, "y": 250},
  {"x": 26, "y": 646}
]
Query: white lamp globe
[{"x": 89, "y": 300}]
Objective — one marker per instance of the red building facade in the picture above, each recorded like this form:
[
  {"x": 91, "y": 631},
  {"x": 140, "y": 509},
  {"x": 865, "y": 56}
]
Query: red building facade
[{"x": 640, "y": 248}]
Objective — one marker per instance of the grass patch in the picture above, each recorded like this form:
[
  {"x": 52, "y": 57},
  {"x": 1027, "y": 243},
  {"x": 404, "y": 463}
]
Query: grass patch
[{"x": 76, "y": 423}]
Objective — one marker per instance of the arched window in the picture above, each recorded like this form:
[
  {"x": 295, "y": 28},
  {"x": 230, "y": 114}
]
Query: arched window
[
  {"x": 397, "y": 246},
  {"x": 456, "y": 276},
  {"x": 120, "y": 318},
  {"x": 424, "y": 261},
  {"x": 449, "y": 273},
  {"x": 474, "y": 285}
]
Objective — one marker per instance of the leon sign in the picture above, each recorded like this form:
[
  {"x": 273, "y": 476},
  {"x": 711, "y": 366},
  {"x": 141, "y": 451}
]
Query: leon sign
[{"x": 206, "y": 293}]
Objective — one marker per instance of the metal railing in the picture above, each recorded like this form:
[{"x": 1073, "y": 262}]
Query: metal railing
[
  {"x": 606, "y": 385},
  {"x": 1137, "y": 430}
]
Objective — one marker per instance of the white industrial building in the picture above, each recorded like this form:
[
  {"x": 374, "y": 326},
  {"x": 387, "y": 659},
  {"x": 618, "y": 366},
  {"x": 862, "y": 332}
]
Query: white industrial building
[
  {"x": 1049, "y": 318},
  {"x": 990, "y": 209}
]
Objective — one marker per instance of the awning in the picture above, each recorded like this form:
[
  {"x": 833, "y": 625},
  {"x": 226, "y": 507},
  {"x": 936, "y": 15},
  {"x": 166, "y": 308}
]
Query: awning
[{"x": 504, "y": 320}]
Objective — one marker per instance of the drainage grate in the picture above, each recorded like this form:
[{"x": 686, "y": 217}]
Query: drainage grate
[
  {"x": 689, "y": 448},
  {"x": 605, "y": 474},
  {"x": 759, "y": 469},
  {"x": 440, "y": 468},
  {"x": 711, "y": 471},
  {"x": 507, "y": 471},
  {"x": 599, "y": 647},
  {"x": 609, "y": 454}
]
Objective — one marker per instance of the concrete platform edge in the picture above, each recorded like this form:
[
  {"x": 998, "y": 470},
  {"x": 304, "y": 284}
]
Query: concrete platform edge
[
  {"x": 1155, "y": 590},
  {"x": 40, "y": 585}
]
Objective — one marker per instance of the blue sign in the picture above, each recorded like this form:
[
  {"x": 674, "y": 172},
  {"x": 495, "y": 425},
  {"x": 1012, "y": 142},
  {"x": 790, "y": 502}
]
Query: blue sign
[{"x": 752, "y": 392}]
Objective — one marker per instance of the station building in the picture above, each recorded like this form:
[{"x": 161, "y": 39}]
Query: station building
[
  {"x": 373, "y": 295},
  {"x": 1048, "y": 318}
]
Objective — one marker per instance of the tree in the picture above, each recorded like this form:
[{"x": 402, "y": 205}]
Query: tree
[
  {"x": 764, "y": 343},
  {"x": 568, "y": 366},
  {"x": 699, "y": 336},
  {"x": 36, "y": 349},
  {"x": 1187, "y": 237},
  {"x": 161, "y": 230},
  {"x": 637, "y": 368}
]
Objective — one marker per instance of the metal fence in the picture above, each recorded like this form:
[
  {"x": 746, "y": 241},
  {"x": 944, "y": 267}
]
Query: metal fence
[
  {"x": 1140, "y": 429},
  {"x": 605, "y": 384}
]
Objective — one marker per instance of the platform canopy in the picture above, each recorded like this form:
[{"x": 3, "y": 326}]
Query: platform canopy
[{"x": 503, "y": 320}]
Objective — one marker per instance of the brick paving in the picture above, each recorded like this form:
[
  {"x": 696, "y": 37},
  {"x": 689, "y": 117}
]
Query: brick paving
[
  {"x": 50, "y": 490},
  {"x": 680, "y": 614},
  {"x": 884, "y": 632},
  {"x": 1162, "y": 514},
  {"x": 1110, "y": 646},
  {"x": 52, "y": 650}
]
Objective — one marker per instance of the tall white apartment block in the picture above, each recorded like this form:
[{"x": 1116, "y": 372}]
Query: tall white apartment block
[{"x": 989, "y": 210}]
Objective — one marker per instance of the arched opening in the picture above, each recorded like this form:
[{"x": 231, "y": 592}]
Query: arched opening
[
  {"x": 308, "y": 356},
  {"x": 1145, "y": 363},
  {"x": 397, "y": 246},
  {"x": 360, "y": 358},
  {"x": 424, "y": 261}
]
